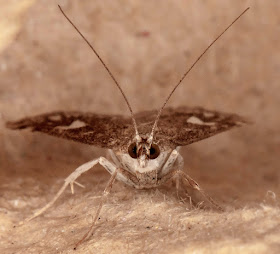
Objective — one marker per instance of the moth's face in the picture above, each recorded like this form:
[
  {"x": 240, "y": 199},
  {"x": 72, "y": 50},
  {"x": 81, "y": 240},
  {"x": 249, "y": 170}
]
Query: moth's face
[
  {"x": 144, "y": 157},
  {"x": 143, "y": 152}
]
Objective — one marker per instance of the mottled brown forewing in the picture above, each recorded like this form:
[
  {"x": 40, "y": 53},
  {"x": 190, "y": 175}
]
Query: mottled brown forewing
[{"x": 177, "y": 127}]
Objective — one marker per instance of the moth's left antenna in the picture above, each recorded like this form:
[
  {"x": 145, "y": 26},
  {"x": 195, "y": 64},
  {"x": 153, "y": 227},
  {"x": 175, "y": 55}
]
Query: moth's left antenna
[{"x": 110, "y": 73}]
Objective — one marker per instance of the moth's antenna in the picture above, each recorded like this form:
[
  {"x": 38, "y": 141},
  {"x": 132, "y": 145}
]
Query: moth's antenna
[
  {"x": 187, "y": 72},
  {"x": 110, "y": 73}
]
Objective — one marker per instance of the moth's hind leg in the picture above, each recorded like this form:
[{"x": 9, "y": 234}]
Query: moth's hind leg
[{"x": 71, "y": 179}]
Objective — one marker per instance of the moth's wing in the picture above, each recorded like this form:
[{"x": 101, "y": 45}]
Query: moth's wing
[
  {"x": 184, "y": 125},
  {"x": 100, "y": 130},
  {"x": 176, "y": 127}
]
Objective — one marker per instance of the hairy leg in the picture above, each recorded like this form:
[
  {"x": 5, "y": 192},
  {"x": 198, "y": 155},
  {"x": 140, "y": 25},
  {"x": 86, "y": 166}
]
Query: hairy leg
[
  {"x": 196, "y": 186},
  {"x": 114, "y": 157},
  {"x": 178, "y": 179},
  {"x": 71, "y": 179},
  {"x": 169, "y": 164},
  {"x": 179, "y": 174}
]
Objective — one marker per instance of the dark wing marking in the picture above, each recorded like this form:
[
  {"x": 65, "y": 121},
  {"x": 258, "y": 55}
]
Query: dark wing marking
[
  {"x": 177, "y": 127},
  {"x": 184, "y": 125},
  {"x": 89, "y": 128}
]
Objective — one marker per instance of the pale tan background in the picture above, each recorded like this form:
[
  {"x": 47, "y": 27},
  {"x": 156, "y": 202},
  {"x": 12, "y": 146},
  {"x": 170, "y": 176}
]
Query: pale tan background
[{"x": 45, "y": 66}]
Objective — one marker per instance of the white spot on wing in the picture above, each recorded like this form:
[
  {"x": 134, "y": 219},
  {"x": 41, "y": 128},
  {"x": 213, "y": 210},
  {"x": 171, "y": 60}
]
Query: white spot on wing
[
  {"x": 74, "y": 125},
  {"x": 238, "y": 123},
  {"x": 208, "y": 114},
  {"x": 55, "y": 118},
  {"x": 196, "y": 120}
]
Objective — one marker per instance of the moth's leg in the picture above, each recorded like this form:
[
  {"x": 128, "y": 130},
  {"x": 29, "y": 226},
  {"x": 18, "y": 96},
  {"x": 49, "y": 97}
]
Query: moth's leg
[
  {"x": 186, "y": 193},
  {"x": 180, "y": 166},
  {"x": 119, "y": 173},
  {"x": 106, "y": 192},
  {"x": 125, "y": 176},
  {"x": 192, "y": 183},
  {"x": 196, "y": 186},
  {"x": 167, "y": 174},
  {"x": 174, "y": 160},
  {"x": 71, "y": 179},
  {"x": 114, "y": 158},
  {"x": 169, "y": 164}
]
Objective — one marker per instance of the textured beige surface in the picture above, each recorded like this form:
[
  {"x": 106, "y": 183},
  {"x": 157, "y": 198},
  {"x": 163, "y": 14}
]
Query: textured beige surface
[
  {"x": 11, "y": 13},
  {"x": 147, "y": 45}
]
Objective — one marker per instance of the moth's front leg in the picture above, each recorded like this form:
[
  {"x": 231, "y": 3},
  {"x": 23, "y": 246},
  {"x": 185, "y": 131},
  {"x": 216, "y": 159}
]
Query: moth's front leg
[
  {"x": 169, "y": 164},
  {"x": 71, "y": 179}
]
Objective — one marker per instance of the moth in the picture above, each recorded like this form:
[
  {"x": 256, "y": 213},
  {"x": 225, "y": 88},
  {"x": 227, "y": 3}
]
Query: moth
[{"x": 144, "y": 148}]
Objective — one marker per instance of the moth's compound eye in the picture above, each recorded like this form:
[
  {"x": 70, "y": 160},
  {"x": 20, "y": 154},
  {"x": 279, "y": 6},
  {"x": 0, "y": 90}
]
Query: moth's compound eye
[
  {"x": 154, "y": 151},
  {"x": 132, "y": 150}
]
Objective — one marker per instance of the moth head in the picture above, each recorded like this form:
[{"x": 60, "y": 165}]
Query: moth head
[{"x": 143, "y": 151}]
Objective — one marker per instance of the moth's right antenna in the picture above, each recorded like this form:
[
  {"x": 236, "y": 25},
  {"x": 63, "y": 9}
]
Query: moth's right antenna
[
  {"x": 187, "y": 72},
  {"x": 110, "y": 73}
]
